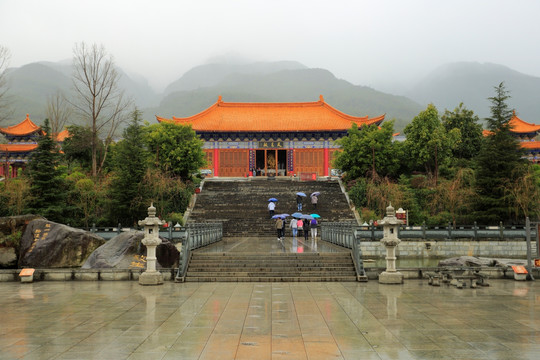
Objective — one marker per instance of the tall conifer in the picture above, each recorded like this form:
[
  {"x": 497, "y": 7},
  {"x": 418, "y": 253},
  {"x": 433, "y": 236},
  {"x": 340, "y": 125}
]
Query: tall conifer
[
  {"x": 46, "y": 177},
  {"x": 498, "y": 163},
  {"x": 130, "y": 166}
]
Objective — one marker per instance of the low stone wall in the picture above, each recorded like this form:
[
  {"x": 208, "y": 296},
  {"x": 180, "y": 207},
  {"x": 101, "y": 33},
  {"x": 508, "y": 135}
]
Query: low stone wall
[
  {"x": 83, "y": 275},
  {"x": 449, "y": 248}
]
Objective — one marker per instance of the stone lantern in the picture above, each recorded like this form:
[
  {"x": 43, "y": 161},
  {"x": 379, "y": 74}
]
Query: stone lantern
[
  {"x": 390, "y": 240},
  {"x": 151, "y": 240}
]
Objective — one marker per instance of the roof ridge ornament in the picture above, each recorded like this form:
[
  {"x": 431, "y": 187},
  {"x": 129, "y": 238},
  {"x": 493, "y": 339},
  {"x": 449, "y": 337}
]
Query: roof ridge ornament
[
  {"x": 219, "y": 100},
  {"x": 321, "y": 98}
]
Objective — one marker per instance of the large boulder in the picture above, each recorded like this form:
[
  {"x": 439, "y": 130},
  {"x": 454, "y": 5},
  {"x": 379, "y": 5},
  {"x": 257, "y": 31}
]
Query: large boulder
[
  {"x": 11, "y": 230},
  {"x": 46, "y": 244},
  {"x": 126, "y": 251}
]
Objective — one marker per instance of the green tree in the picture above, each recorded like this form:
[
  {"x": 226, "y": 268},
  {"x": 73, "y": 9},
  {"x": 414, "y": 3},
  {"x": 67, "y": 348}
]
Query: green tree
[
  {"x": 368, "y": 150},
  {"x": 14, "y": 196},
  {"x": 428, "y": 144},
  {"x": 47, "y": 178},
  {"x": 78, "y": 147},
  {"x": 169, "y": 194},
  {"x": 470, "y": 130},
  {"x": 130, "y": 163},
  {"x": 177, "y": 149},
  {"x": 498, "y": 163}
]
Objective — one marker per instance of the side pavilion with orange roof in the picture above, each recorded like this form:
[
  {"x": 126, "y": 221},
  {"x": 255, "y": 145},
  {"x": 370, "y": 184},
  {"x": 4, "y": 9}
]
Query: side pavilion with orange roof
[
  {"x": 271, "y": 139},
  {"x": 526, "y": 133},
  {"x": 21, "y": 142}
]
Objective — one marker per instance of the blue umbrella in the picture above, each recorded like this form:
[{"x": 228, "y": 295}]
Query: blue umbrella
[
  {"x": 308, "y": 217},
  {"x": 315, "y": 215},
  {"x": 285, "y": 215},
  {"x": 273, "y": 199},
  {"x": 316, "y": 193},
  {"x": 296, "y": 215},
  {"x": 301, "y": 194},
  {"x": 281, "y": 216}
]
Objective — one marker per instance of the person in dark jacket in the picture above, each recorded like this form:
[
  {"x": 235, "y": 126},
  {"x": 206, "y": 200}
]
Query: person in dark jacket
[
  {"x": 299, "y": 202},
  {"x": 306, "y": 229}
]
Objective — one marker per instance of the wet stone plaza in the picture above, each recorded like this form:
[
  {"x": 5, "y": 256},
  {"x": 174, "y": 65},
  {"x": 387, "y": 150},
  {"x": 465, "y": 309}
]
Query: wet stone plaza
[{"x": 349, "y": 320}]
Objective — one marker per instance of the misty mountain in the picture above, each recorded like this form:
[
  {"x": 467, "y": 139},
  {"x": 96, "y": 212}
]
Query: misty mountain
[
  {"x": 287, "y": 81},
  {"x": 473, "y": 83},
  {"x": 290, "y": 85},
  {"x": 212, "y": 74},
  {"x": 31, "y": 85}
]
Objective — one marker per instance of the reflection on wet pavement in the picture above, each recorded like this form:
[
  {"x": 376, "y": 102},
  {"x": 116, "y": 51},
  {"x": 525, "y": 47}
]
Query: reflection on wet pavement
[
  {"x": 271, "y": 244},
  {"x": 123, "y": 320}
]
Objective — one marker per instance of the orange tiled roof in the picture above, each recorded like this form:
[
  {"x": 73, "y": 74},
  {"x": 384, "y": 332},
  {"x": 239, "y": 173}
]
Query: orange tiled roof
[
  {"x": 520, "y": 126},
  {"x": 25, "y": 127},
  {"x": 18, "y": 147},
  {"x": 268, "y": 117},
  {"x": 62, "y": 135},
  {"x": 530, "y": 145}
]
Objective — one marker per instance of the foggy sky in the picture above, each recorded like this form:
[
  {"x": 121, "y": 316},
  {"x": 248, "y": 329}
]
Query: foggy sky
[{"x": 373, "y": 43}]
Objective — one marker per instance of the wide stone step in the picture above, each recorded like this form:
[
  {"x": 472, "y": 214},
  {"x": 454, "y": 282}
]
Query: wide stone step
[
  {"x": 272, "y": 268},
  {"x": 273, "y": 279}
]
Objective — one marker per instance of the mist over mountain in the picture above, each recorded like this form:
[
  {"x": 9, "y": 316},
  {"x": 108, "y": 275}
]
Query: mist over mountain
[
  {"x": 212, "y": 74},
  {"x": 290, "y": 85},
  {"x": 473, "y": 83},
  {"x": 31, "y": 85},
  {"x": 286, "y": 81}
]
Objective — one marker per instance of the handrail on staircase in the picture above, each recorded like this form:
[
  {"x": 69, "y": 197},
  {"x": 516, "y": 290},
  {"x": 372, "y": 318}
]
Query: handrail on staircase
[
  {"x": 197, "y": 235},
  {"x": 346, "y": 235}
]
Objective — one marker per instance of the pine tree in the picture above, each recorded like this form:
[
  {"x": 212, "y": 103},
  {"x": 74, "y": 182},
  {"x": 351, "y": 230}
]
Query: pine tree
[
  {"x": 130, "y": 166},
  {"x": 46, "y": 177},
  {"x": 498, "y": 163}
]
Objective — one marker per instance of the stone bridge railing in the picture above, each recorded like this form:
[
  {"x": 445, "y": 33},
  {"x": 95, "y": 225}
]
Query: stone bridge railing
[
  {"x": 174, "y": 234},
  {"x": 471, "y": 232},
  {"x": 197, "y": 235}
]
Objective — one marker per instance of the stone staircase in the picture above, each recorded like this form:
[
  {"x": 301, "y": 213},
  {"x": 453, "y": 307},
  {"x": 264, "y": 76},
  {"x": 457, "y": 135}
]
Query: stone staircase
[
  {"x": 274, "y": 267},
  {"x": 242, "y": 205}
]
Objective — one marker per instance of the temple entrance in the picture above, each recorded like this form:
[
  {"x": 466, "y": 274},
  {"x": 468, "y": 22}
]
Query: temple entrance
[
  {"x": 233, "y": 163},
  {"x": 271, "y": 162}
]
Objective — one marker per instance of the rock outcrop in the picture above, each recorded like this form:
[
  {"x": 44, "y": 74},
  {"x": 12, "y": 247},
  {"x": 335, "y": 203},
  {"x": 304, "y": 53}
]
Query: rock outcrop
[
  {"x": 46, "y": 244},
  {"x": 11, "y": 230},
  {"x": 125, "y": 251},
  {"x": 480, "y": 261}
]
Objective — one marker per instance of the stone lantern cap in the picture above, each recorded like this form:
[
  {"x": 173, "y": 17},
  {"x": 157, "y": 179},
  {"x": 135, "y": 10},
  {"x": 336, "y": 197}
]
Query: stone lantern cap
[
  {"x": 151, "y": 219},
  {"x": 390, "y": 218}
]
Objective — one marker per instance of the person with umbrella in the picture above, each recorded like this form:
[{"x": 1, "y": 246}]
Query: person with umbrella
[
  {"x": 279, "y": 228},
  {"x": 313, "y": 225},
  {"x": 299, "y": 198},
  {"x": 315, "y": 199},
  {"x": 294, "y": 227},
  {"x": 271, "y": 206}
]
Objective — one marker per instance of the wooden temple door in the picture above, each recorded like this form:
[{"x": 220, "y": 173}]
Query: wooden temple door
[
  {"x": 309, "y": 161},
  {"x": 209, "y": 157},
  {"x": 233, "y": 163}
]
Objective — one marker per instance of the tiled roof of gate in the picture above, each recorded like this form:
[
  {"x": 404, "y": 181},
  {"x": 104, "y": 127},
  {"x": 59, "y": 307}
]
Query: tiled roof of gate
[
  {"x": 271, "y": 117},
  {"x": 25, "y": 127},
  {"x": 18, "y": 147},
  {"x": 531, "y": 145},
  {"x": 520, "y": 126}
]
